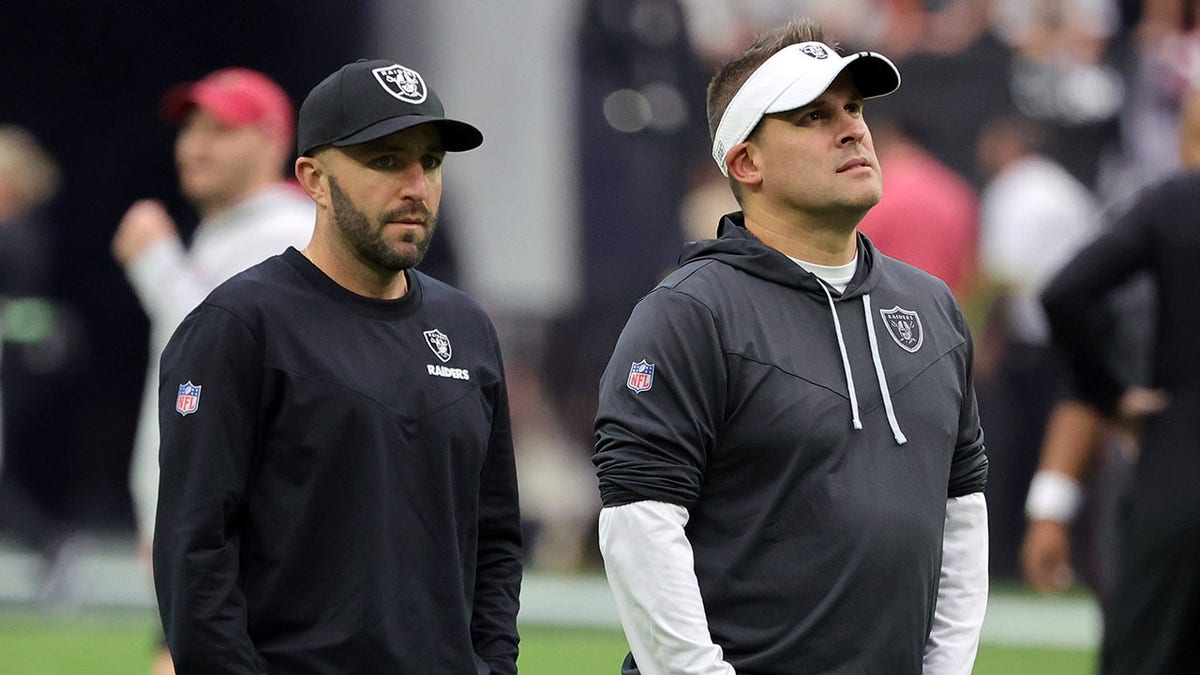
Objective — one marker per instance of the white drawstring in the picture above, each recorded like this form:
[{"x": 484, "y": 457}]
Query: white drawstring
[
  {"x": 837, "y": 328},
  {"x": 883, "y": 386}
]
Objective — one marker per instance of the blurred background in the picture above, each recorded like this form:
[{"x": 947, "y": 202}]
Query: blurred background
[{"x": 594, "y": 170}]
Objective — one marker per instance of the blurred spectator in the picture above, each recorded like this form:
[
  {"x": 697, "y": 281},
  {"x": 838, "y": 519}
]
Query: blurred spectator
[
  {"x": 640, "y": 144},
  {"x": 955, "y": 80},
  {"x": 1070, "y": 449},
  {"x": 928, "y": 216},
  {"x": 30, "y": 180},
  {"x": 30, "y": 347},
  {"x": 236, "y": 128},
  {"x": 1062, "y": 76},
  {"x": 121, "y": 153},
  {"x": 640, "y": 139},
  {"x": 1086, "y": 463},
  {"x": 1033, "y": 216},
  {"x": 1153, "y": 615},
  {"x": 557, "y": 485},
  {"x": 1161, "y": 62},
  {"x": 973, "y": 60},
  {"x": 719, "y": 28}
]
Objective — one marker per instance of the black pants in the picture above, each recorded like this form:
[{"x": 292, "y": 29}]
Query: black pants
[{"x": 1152, "y": 619}]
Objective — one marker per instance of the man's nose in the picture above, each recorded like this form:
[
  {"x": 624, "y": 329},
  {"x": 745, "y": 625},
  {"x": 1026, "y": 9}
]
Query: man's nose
[
  {"x": 413, "y": 181},
  {"x": 854, "y": 128}
]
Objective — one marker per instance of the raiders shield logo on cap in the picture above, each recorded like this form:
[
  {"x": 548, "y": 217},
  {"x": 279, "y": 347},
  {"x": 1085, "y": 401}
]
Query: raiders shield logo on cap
[
  {"x": 405, "y": 84},
  {"x": 815, "y": 50}
]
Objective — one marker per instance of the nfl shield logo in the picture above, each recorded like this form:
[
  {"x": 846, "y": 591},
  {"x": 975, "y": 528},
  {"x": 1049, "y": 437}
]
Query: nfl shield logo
[
  {"x": 403, "y": 83},
  {"x": 641, "y": 376},
  {"x": 904, "y": 327},
  {"x": 188, "y": 400},
  {"x": 439, "y": 343}
]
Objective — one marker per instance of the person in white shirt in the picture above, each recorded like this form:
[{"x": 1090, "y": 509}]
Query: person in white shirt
[
  {"x": 1033, "y": 217},
  {"x": 235, "y": 138}
]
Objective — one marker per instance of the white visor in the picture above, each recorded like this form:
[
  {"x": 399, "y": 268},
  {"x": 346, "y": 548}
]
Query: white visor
[{"x": 793, "y": 77}]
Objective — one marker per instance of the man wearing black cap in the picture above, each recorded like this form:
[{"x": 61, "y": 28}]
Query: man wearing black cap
[
  {"x": 338, "y": 488},
  {"x": 788, "y": 448}
]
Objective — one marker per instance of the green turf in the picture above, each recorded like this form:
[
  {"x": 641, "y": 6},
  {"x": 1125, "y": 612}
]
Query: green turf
[
  {"x": 121, "y": 644},
  {"x": 552, "y": 651},
  {"x": 95, "y": 644},
  {"x": 548, "y": 651},
  {"x": 997, "y": 660}
]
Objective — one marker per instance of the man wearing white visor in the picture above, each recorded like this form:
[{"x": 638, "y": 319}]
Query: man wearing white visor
[{"x": 787, "y": 442}]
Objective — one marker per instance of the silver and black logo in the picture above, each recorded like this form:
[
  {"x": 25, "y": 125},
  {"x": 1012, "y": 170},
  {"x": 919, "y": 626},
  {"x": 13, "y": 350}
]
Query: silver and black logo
[
  {"x": 904, "y": 327},
  {"x": 403, "y": 83},
  {"x": 816, "y": 51},
  {"x": 439, "y": 343}
]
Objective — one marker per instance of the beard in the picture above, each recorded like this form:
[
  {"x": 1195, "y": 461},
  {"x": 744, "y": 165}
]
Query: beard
[{"x": 367, "y": 239}]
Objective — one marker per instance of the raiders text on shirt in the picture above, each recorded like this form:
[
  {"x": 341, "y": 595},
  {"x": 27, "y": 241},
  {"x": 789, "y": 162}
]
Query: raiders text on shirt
[{"x": 443, "y": 371}]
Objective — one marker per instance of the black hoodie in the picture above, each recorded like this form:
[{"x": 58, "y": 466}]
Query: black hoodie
[{"x": 730, "y": 393}]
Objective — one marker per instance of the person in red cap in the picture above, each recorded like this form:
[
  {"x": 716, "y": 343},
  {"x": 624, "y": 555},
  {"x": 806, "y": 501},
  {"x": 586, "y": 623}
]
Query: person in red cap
[{"x": 235, "y": 134}]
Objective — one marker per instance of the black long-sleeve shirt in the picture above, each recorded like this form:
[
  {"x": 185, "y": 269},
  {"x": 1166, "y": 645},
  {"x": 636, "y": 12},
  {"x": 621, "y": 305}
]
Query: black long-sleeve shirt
[
  {"x": 338, "y": 491},
  {"x": 1159, "y": 234}
]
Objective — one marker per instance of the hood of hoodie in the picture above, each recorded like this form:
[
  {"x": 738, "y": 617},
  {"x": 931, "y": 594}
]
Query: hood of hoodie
[{"x": 737, "y": 247}]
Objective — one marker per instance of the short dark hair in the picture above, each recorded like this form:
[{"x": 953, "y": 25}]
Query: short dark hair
[{"x": 730, "y": 77}]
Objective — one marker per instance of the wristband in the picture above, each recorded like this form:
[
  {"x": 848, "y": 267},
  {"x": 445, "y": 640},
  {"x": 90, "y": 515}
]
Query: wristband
[{"x": 1053, "y": 496}]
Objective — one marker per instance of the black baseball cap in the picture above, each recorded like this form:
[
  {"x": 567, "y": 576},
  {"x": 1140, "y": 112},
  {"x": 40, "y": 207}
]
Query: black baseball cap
[{"x": 366, "y": 100}]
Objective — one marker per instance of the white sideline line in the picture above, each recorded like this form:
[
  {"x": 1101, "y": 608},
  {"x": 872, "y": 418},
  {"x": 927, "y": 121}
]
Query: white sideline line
[
  {"x": 1019, "y": 620},
  {"x": 1070, "y": 622}
]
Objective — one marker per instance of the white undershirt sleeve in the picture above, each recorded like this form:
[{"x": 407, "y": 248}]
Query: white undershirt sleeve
[
  {"x": 962, "y": 593},
  {"x": 649, "y": 563}
]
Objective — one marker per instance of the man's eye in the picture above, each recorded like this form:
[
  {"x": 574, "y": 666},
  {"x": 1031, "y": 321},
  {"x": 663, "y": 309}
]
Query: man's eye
[
  {"x": 431, "y": 161},
  {"x": 384, "y": 162}
]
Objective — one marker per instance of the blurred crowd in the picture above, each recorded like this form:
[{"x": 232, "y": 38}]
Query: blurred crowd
[{"x": 1020, "y": 128}]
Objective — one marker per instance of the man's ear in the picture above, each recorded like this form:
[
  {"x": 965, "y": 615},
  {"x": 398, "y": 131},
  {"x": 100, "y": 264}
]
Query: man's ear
[
  {"x": 312, "y": 176},
  {"x": 742, "y": 164}
]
